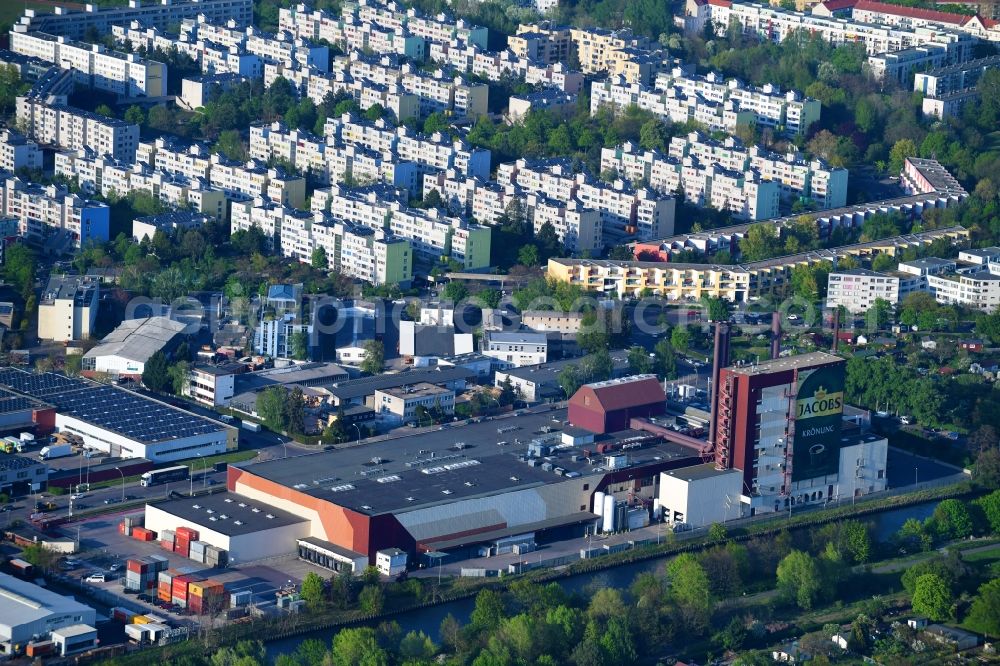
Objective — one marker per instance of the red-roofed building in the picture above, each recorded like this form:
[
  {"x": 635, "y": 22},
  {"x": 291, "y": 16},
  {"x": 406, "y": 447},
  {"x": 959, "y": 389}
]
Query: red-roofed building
[
  {"x": 605, "y": 407},
  {"x": 832, "y": 8}
]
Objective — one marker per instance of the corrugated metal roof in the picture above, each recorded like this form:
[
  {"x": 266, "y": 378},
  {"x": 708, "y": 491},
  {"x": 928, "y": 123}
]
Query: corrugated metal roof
[{"x": 625, "y": 392}]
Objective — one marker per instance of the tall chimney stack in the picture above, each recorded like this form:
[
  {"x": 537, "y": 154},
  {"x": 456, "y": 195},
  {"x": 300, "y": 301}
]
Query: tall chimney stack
[
  {"x": 836, "y": 329},
  {"x": 775, "y": 334},
  {"x": 720, "y": 359}
]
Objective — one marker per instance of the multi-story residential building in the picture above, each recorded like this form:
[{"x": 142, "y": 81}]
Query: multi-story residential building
[
  {"x": 856, "y": 290},
  {"x": 198, "y": 91},
  {"x": 94, "y": 66},
  {"x": 430, "y": 152},
  {"x": 169, "y": 223},
  {"x": 776, "y": 24},
  {"x": 18, "y": 152},
  {"x": 542, "y": 42},
  {"x": 625, "y": 211},
  {"x": 980, "y": 256},
  {"x": 102, "y": 175},
  {"x": 255, "y": 179},
  {"x": 67, "y": 309},
  {"x": 956, "y": 78},
  {"x": 599, "y": 50},
  {"x": 433, "y": 235},
  {"x": 439, "y": 28},
  {"x": 723, "y": 180},
  {"x": 39, "y": 209},
  {"x": 282, "y": 47},
  {"x": 27, "y": 68},
  {"x": 75, "y": 24},
  {"x": 213, "y": 58},
  {"x": 213, "y": 385},
  {"x": 519, "y": 348},
  {"x": 560, "y": 104},
  {"x": 708, "y": 100},
  {"x": 975, "y": 289},
  {"x": 736, "y": 283},
  {"x": 50, "y": 121},
  {"x": 948, "y": 89},
  {"x": 882, "y": 13},
  {"x": 349, "y": 32}
]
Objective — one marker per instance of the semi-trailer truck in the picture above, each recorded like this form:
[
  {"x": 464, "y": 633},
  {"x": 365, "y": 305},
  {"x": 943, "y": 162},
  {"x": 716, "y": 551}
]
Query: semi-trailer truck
[
  {"x": 251, "y": 426},
  {"x": 55, "y": 451}
]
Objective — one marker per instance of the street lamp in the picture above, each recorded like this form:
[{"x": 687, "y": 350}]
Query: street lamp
[
  {"x": 356, "y": 427},
  {"x": 204, "y": 472},
  {"x": 123, "y": 482}
]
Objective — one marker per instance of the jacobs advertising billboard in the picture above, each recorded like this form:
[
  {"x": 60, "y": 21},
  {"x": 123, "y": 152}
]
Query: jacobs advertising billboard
[{"x": 819, "y": 409}]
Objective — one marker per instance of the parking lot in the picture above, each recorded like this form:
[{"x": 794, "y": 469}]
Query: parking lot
[{"x": 103, "y": 549}]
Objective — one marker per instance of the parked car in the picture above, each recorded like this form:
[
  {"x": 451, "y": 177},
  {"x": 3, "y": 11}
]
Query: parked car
[
  {"x": 95, "y": 577},
  {"x": 112, "y": 500},
  {"x": 906, "y": 420},
  {"x": 115, "y": 567}
]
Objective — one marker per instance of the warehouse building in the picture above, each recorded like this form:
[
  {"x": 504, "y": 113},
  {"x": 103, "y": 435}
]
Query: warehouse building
[
  {"x": 125, "y": 351},
  {"x": 28, "y": 611},
  {"x": 119, "y": 422},
  {"x": 700, "y": 495},
  {"x": 609, "y": 406},
  {"x": 247, "y": 530},
  {"x": 466, "y": 491}
]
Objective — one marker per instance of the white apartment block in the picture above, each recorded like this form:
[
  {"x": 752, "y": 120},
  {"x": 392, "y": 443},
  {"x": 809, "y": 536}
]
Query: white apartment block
[
  {"x": 956, "y": 78},
  {"x": 543, "y": 42},
  {"x": 439, "y": 28},
  {"x": 726, "y": 106},
  {"x": 282, "y": 47},
  {"x": 979, "y": 290},
  {"x": 496, "y": 66},
  {"x": 433, "y": 235},
  {"x": 39, "y": 209},
  {"x": 334, "y": 162},
  {"x": 776, "y": 24},
  {"x": 881, "y": 13},
  {"x": 18, "y": 152},
  {"x": 814, "y": 180},
  {"x": 724, "y": 184},
  {"x": 578, "y": 227},
  {"x": 430, "y": 152},
  {"x": 521, "y": 349},
  {"x": 213, "y": 58},
  {"x": 49, "y": 121},
  {"x": 161, "y": 14},
  {"x": 349, "y": 32},
  {"x": 598, "y": 50},
  {"x": 624, "y": 211},
  {"x": 101, "y": 175},
  {"x": 857, "y": 290},
  {"x": 125, "y": 75}
]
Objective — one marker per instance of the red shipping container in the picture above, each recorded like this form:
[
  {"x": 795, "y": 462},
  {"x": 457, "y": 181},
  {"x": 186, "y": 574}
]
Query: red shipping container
[
  {"x": 136, "y": 566},
  {"x": 182, "y": 549},
  {"x": 190, "y": 533},
  {"x": 163, "y": 592},
  {"x": 195, "y": 605},
  {"x": 167, "y": 545}
]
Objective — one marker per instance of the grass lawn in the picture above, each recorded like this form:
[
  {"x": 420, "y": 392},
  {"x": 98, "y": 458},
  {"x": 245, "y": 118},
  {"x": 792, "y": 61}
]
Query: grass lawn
[
  {"x": 197, "y": 464},
  {"x": 12, "y": 10}
]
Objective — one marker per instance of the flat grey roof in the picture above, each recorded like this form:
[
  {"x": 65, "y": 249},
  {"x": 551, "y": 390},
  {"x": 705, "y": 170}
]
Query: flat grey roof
[
  {"x": 233, "y": 514},
  {"x": 443, "y": 465},
  {"x": 22, "y": 602},
  {"x": 699, "y": 472},
  {"x": 358, "y": 388},
  {"x": 787, "y": 363}
]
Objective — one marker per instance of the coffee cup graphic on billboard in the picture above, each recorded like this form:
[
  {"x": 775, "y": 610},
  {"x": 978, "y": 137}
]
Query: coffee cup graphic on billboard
[{"x": 819, "y": 410}]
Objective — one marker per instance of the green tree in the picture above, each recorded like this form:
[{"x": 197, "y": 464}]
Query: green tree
[
  {"x": 19, "y": 267},
  {"x": 528, "y": 256},
  {"x": 984, "y": 615},
  {"x": 489, "y": 297},
  {"x": 73, "y": 364},
  {"x": 371, "y": 599},
  {"x": 417, "y": 645},
  {"x": 878, "y": 315},
  {"x": 374, "y": 360},
  {"x": 951, "y": 520},
  {"x": 665, "y": 361},
  {"x": 135, "y": 115},
  {"x": 271, "y": 407},
  {"x": 639, "y": 362},
  {"x": 799, "y": 579},
  {"x": 358, "y": 647},
  {"x": 989, "y": 505},
  {"x": 680, "y": 338},
  {"x": 900, "y": 151},
  {"x": 312, "y": 592},
  {"x": 932, "y": 597},
  {"x": 717, "y": 532},
  {"x": 156, "y": 373},
  {"x": 104, "y": 110},
  {"x": 569, "y": 380},
  {"x": 489, "y": 611},
  {"x": 300, "y": 345},
  {"x": 689, "y": 588},
  {"x": 319, "y": 260},
  {"x": 761, "y": 242},
  {"x": 230, "y": 144},
  {"x": 455, "y": 291}
]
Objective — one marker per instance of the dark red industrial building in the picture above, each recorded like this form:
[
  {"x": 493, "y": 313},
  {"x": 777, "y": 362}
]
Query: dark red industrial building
[{"x": 607, "y": 406}]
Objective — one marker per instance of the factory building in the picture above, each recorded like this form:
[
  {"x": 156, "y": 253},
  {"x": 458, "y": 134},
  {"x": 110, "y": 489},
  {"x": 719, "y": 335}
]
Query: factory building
[
  {"x": 118, "y": 422},
  {"x": 478, "y": 489},
  {"x": 608, "y": 406},
  {"x": 700, "y": 495},
  {"x": 28, "y": 612},
  {"x": 780, "y": 423},
  {"x": 246, "y": 530}
]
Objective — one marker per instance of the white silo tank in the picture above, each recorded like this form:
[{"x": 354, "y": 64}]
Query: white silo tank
[
  {"x": 599, "y": 503},
  {"x": 609, "y": 513}
]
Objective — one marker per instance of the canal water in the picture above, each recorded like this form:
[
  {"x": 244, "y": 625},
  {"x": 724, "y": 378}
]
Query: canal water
[{"x": 429, "y": 620}]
